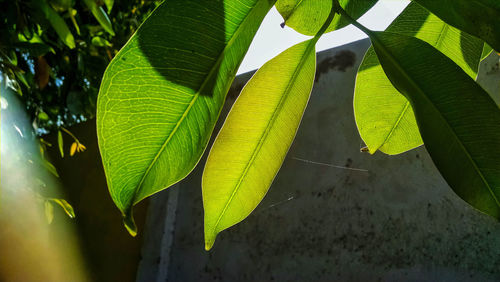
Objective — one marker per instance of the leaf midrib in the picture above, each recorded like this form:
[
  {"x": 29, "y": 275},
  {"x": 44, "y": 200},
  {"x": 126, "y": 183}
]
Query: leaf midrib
[
  {"x": 195, "y": 97},
  {"x": 416, "y": 86},
  {"x": 267, "y": 130}
]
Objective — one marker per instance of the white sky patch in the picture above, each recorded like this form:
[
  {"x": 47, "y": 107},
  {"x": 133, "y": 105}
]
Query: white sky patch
[{"x": 271, "y": 39}]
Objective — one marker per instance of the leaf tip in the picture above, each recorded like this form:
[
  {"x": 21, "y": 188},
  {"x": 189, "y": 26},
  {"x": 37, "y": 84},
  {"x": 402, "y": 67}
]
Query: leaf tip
[
  {"x": 209, "y": 240},
  {"x": 128, "y": 221}
]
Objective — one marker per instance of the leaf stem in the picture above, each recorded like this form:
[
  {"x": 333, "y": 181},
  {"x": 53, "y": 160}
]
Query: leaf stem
[
  {"x": 336, "y": 5},
  {"x": 70, "y": 134}
]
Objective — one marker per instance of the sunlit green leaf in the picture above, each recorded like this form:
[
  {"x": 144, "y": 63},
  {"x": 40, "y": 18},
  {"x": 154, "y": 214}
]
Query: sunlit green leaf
[
  {"x": 109, "y": 4},
  {"x": 162, "y": 94},
  {"x": 68, "y": 209},
  {"x": 476, "y": 17},
  {"x": 101, "y": 42},
  {"x": 459, "y": 122},
  {"x": 307, "y": 16},
  {"x": 384, "y": 117},
  {"x": 100, "y": 16},
  {"x": 255, "y": 138},
  {"x": 60, "y": 142},
  {"x": 57, "y": 22},
  {"x": 50, "y": 167}
]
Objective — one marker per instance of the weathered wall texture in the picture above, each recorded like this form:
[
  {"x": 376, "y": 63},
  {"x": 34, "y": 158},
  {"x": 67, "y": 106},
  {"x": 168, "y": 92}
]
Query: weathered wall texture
[{"x": 394, "y": 220}]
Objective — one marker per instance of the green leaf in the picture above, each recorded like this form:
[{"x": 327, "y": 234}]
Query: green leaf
[
  {"x": 162, "y": 93},
  {"x": 459, "y": 122},
  {"x": 109, "y": 5},
  {"x": 57, "y": 22},
  {"x": 486, "y": 51},
  {"x": 307, "y": 16},
  {"x": 100, "y": 16},
  {"x": 252, "y": 144},
  {"x": 68, "y": 209},
  {"x": 101, "y": 42},
  {"x": 60, "y": 143},
  {"x": 50, "y": 167},
  {"x": 476, "y": 17},
  {"x": 384, "y": 117}
]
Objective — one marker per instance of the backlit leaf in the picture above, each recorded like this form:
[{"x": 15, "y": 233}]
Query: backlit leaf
[
  {"x": 56, "y": 21},
  {"x": 255, "y": 138},
  {"x": 100, "y": 16},
  {"x": 307, "y": 16},
  {"x": 60, "y": 142},
  {"x": 163, "y": 92},
  {"x": 384, "y": 117},
  {"x": 476, "y": 17}
]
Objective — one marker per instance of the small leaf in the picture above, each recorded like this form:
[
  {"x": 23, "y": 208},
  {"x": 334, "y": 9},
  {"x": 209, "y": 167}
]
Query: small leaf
[
  {"x": 72, "y": 150},
  {"x": 100, "y": 16},
  {"x": 459, "y": 122},
  {"x": 161, "y": 95},
  {"x": 43, "y": 116},
  {"x": 68, "y": 209},
  {"x": 384, "y": 117},
  {"x": 50, "y": 167},
  {"x": 307, "y": 16},
  {"x": 476, "y": 17},
  {"x": 252, "y": 144},
  {"x": 60, "y": 143},
  {"x": 101, "y": 42},
  {"x": 49, "y": 212}
]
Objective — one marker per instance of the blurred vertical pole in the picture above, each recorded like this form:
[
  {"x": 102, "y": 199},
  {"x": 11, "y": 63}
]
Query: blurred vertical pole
[{"x": 31, "y": 248}]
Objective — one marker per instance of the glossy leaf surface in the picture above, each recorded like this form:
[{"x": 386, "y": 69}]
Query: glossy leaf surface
[
  {"x": 255, "y": 138},
  {"x": 100, "y": 16},
  {"x": 459, "y": 122},
  {"x": 384, "y": 117},
  {"x": 56, "y": 22},
  {"x": 476, "y": 17},
  {"x": 162, "y": 94},
  {"x": 307, "y": 16}
]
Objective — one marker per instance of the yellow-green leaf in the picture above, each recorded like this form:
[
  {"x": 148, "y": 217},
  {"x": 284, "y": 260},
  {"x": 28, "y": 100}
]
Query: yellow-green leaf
[
  {"x": 161, "y": 95},
  {"x": 384, "y": 117},
  {"x": 477, "y": 17},
  {"x": 60, "y": 142},
  {"x": 68, "y": 209},
  {"x": 307, "y": 16},
  {"x": 255, "y": 138}
]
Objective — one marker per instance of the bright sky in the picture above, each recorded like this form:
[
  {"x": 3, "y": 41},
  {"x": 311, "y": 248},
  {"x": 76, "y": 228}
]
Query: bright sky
[{"x": 271, "y": 39}]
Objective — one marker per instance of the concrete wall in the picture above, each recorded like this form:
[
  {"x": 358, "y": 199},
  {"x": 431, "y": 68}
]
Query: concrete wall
[{"x": 380, "y": 218}]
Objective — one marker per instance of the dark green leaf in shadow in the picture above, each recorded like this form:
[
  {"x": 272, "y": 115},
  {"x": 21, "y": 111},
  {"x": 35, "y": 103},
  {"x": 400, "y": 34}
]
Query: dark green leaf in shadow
[{"x": 458, "y": 121}]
